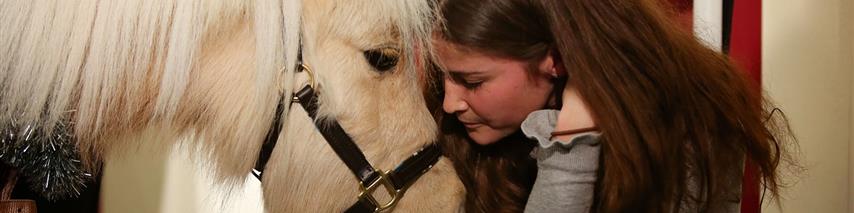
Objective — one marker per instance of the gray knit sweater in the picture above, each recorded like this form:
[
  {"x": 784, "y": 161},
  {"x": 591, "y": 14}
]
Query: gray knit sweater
[{"x": 567, "y": 170}]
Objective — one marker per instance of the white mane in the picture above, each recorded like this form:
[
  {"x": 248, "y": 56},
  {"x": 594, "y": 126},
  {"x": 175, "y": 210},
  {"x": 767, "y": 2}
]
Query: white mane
[{"x": 110, "y": 67}]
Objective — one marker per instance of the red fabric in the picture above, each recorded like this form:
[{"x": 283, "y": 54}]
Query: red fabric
[
  {"x": 746, "y": 44},
  {"x": 684, "y": 12},
  {"x": 746, "y": 51},
  {"x": 750, "y": 189},
  {"x": 683, "y": 5}
]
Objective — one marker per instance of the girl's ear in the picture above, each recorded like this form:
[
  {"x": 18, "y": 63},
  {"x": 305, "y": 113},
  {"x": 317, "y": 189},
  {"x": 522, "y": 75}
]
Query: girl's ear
[
  {"x": 559, "y": 68},
  {"x": 552, "y": 64}
]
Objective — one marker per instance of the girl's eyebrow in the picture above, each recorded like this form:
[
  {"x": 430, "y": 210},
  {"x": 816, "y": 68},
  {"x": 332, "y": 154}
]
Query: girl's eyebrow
[
  {"x": 467, "y": 73},
  {"x": 462, "y": 76}
]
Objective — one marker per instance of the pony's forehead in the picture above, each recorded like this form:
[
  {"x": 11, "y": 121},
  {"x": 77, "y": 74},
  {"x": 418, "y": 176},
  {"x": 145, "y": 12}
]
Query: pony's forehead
[{"x": 365, "y": 22}]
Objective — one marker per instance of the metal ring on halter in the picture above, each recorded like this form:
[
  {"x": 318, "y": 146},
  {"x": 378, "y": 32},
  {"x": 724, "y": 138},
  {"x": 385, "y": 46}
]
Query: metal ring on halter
[{"x": 311, "y": 81}]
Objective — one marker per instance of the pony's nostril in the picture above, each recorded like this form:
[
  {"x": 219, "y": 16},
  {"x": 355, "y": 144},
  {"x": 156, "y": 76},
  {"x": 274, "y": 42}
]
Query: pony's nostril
[{"x": 383, "y": 59}]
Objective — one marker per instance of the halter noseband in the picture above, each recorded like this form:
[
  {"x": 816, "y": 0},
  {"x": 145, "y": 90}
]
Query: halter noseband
[{"x": 395, "y": 182}]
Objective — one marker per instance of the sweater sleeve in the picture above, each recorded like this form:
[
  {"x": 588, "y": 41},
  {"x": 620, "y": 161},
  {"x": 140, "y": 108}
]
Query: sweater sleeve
[{"x": 566, "y": 170}]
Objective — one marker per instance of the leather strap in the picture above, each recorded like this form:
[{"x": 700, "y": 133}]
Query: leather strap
[
  {"x": 269, "y": 142},
  {"x": 361, "y": 206},
  {"x": 337, "y": 138},
  {"x": 574, "y": 131},
  {"x": 413, "y": 167}
]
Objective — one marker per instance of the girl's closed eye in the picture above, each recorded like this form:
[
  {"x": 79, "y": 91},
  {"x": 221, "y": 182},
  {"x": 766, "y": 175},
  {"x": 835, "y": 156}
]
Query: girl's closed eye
[
  {"x": 466, "y": 81},
  {"x": 473, "y": 84}
]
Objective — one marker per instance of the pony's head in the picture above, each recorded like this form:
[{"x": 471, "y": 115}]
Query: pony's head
[{"x": 366, "y": 59}]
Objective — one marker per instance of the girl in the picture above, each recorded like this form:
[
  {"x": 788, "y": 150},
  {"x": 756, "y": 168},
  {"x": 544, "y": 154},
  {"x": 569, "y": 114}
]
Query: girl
[{"x": 623, "y": 110}]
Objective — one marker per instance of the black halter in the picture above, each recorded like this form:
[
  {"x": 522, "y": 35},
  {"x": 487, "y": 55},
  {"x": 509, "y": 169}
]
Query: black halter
[{"x": 395, "y": 182}]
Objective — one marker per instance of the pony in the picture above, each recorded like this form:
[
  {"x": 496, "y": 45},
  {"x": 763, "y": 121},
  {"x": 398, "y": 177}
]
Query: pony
[{"x": 111, "y": 75}]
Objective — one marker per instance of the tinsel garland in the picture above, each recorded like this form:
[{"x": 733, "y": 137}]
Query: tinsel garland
[{"x": 49, "y": 163}]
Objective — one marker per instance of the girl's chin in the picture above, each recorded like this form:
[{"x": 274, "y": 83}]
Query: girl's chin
[{"x": 485, "y": 137}]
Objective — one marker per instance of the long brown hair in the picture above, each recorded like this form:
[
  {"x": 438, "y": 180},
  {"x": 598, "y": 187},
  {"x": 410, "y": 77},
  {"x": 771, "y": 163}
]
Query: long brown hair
[{"x": 677, "y": 118}]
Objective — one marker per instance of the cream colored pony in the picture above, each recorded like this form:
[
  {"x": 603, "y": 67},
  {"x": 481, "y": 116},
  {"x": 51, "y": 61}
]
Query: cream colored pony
[{"x": 214, "y": 71}]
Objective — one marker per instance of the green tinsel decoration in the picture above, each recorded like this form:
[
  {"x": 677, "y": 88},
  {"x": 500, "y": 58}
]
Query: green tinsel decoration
[{"x": 49, "y": 163}]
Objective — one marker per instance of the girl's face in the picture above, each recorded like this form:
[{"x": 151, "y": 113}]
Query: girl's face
[{"x": 491, "y": 96}]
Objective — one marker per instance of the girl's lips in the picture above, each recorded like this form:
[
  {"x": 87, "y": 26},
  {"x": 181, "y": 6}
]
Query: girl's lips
[{"x": 471, "y": 125}]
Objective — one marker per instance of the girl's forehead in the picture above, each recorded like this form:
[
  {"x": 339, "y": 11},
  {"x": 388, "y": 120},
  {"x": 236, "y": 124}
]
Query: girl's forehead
[{"x": 448, "y": 52}]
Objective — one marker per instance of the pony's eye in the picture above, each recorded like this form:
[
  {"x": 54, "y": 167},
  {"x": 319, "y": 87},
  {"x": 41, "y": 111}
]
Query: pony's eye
[{"x": 383, "y": 59}]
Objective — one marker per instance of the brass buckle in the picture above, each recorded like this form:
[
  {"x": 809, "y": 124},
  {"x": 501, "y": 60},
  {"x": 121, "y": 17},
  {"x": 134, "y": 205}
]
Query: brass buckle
[{"x": 382, "y": 180}]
